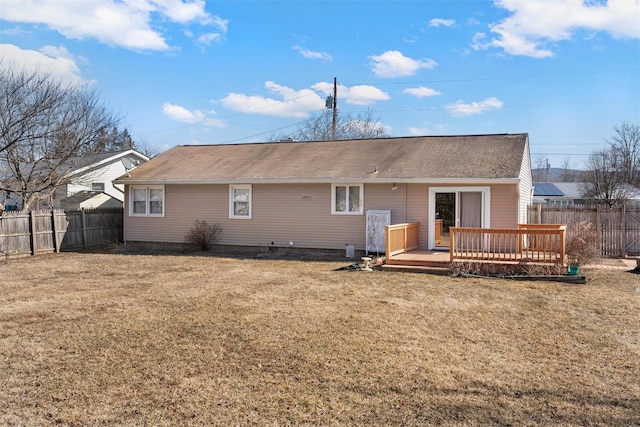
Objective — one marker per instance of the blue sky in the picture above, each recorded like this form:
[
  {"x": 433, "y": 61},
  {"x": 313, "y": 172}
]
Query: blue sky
[{"x": 211, "y": 72}]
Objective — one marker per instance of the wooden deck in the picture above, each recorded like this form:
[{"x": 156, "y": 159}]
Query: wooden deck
[
  {"x": 420, "y": 261},
  {"x": 530, "y": 244},
  {"x": 421, "y": 257}
]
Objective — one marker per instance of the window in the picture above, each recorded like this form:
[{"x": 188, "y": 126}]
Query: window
[
  {"x": 97, "y": 186},
  {"x": 347, "y": 199},
  {"x": 147, "y": 201},
  {"x": 240, "y": 201}
]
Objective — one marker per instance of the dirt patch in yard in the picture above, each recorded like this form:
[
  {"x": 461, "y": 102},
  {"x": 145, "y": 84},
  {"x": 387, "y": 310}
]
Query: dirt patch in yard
[{"x": 112, "y": 339}]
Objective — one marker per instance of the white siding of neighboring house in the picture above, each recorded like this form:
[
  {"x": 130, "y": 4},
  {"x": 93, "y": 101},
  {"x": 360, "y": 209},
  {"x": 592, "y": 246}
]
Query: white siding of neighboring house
[{"x": 104, "y": 173}]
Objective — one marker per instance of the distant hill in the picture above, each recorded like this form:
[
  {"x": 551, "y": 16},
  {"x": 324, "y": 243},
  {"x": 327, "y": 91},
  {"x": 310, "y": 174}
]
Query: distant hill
[{"x": 558, "y": 175}]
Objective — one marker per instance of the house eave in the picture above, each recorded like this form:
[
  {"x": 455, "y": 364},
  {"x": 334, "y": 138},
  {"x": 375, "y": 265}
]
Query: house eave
[
  {"x": 108, "y": 160},
  {"x": 434, "y": 181}
]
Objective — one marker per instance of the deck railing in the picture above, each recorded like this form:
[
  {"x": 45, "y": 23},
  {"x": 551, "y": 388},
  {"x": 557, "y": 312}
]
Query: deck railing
[
  {"x": 402, "y": 238},
  {"x": 541, "y": 243}
]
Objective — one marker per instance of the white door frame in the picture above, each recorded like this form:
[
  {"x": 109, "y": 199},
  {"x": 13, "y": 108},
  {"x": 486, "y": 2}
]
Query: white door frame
[{"x": 486, "y": 208}]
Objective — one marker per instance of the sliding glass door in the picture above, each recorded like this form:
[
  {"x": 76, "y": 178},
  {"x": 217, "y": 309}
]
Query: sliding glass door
[{"x": 456, "y": 207}]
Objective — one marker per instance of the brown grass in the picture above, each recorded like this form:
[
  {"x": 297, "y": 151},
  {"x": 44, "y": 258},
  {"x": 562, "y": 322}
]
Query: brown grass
[{"x": 103, "y": 339}]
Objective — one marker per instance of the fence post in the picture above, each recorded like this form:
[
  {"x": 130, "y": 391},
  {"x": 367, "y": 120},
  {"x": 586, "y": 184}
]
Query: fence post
[
  {"x": 84, "y": 228},
  {"x": 599, "y": 227},
  {"x": 56, "y": 243},
  {"x": 32, "y": 231},
  {"x": 623, "y": 231}
]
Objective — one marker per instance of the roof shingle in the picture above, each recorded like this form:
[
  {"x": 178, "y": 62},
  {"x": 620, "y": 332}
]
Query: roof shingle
[{"x": 427, "y": 157}]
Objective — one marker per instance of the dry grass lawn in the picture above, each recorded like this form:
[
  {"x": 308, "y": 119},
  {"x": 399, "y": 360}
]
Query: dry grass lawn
[{"x": 106, "y": 339}]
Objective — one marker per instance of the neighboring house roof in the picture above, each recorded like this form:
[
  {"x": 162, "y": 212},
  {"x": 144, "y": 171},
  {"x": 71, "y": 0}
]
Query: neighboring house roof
[
  {"x": 81, "y": 196},
  {"x": 571, "y": 190},
  {"x": 446, "y": 158},
  {"x": 546, "y": 189},
  {"x": 92, "y": 161},
  {"x": 90, "y": 199}
]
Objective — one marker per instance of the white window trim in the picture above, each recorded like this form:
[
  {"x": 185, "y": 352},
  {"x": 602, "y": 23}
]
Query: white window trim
[
  {"x": 486, "y": 206},
  {"x": 147, "y": 200},
  {"x": 233, "y": 187},
  {"x": 333, "y": 199}
]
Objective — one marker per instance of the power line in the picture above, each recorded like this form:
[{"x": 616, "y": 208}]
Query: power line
[
  {"x": 441, "y": 108},
  {"x": 480, "y": 79}
]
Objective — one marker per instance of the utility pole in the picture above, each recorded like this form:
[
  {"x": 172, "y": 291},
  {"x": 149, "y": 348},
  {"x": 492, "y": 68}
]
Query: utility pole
[
  {"x": 335, "y": 108},
  {"x": 548, "y": 171},
  {"x": 332, "y": 102}
]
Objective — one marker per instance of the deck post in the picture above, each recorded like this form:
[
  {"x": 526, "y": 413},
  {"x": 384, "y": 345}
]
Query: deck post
[
  {"x": 388, "y": 242},
  {"x": 452, "y": 241}
]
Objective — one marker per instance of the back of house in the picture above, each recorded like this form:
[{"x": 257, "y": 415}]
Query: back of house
[{"x": 327, "y": 194}]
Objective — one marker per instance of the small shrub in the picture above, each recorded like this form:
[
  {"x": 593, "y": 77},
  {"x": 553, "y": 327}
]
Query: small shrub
[
  {"x": 201, "y": 235},
  {"x": 582, "y": 243}
]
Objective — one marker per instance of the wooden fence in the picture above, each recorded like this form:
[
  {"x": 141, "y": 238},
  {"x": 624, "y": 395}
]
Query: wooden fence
[
  {"x": 36, "y": 232},
  {"x": 618, "y": 228}
]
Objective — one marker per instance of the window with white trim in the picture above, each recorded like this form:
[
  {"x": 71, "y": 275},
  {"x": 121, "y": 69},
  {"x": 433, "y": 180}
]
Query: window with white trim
[
  {"x": 347, "y": 199},
  {"x": 240, "y": 201},
  {"x": 97, "y": 186},
  {"x": 146, "y": 200}
]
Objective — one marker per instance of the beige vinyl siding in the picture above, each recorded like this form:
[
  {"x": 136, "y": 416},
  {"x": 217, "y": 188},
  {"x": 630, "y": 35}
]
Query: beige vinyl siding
[
  {"x": 504, "y": 206},
  {"x": 281, "y": 213},
  {"x": 408, "y": 203},
  {"x": 299, "y": 213},
  {"x": 418, "y": 210}
]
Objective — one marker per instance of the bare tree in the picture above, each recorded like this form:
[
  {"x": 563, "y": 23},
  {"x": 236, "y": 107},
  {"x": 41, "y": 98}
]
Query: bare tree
[
  {"x": 604, "y": 181},
  {"x": 348, "y": 126},
  {"x": 44, "y": 127},
  {"x": 610, "y": 173},
  {"x": 144, "y": 147},
  {"x": 540, "y": 171},
  {"x": 567, "y": 174},
  {"x": 625, "y": 142}
]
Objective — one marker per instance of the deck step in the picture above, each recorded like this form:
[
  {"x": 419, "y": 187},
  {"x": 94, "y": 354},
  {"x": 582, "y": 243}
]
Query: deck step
[{"x": 441, "y": 270}]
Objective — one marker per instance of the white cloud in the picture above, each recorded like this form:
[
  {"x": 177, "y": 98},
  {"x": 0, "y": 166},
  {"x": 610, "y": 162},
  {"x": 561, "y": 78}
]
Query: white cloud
[
  {"x": 534, "y": 24},
  {"x": 394, "y": 64},
  {"x": 180, "y": 11},
  {"x": 181, "y": 114},
  {"x": 460, "y": 109},
  {"x": 208, "y": 38},
  {"x": 421, "y": 92},
  {"x": 439, "y": 22},
  {"x": 310, "y": 54},
  {"x": 354, "y": 95},
  {"x": 298, "y": 103},
  {"x": 292, "y": 103},
  {"x": 53, "y": 60},
  {"x": 434, "y": 129},
  {"x": 418, "y": 131},
  {"x": 122, "y": 23}
]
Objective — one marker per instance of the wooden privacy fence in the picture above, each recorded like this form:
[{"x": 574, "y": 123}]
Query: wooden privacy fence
[
  {"x": 35, "y": 232},
  {"x": 618, "y": 228}
]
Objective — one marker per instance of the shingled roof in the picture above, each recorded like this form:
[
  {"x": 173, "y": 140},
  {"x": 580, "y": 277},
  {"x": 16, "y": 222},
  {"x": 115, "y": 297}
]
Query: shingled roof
[{"x": 405, "y": 159}]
